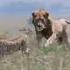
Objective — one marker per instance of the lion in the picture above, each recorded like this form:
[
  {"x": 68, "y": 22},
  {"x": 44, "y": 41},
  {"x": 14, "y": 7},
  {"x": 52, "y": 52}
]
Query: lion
[
  {"x": 42, "y": 29},
  {"x": 50, "y": 28}
]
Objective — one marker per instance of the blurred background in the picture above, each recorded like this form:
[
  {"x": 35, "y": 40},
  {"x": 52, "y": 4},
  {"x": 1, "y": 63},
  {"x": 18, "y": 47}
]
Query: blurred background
[{"x": 15, "y": 14}]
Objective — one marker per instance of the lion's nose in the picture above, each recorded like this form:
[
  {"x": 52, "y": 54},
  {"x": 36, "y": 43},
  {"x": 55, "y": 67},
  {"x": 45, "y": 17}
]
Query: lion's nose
[{"x": 41, "y": 25}]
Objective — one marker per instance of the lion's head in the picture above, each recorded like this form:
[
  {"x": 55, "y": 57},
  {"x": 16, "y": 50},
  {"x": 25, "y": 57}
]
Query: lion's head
[{"x": 40, "y": 19}]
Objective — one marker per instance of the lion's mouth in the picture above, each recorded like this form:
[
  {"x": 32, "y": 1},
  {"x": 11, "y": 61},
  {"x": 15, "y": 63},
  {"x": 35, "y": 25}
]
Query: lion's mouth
[{"x": 40, "y": 26}]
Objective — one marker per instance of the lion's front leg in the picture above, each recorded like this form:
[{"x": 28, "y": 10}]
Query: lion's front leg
[{"x": 51, "y": 40}]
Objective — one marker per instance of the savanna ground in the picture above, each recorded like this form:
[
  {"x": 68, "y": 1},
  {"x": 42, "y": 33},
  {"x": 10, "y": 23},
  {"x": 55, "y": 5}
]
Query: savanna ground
[{"x": 54, "y": 57}]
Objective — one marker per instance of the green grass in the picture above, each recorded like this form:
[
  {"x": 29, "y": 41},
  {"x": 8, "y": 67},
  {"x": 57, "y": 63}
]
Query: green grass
[{"x": 53, "y": 48}]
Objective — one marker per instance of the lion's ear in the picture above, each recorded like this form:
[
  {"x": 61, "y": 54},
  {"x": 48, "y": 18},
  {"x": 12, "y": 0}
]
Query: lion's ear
[
  {"x": 46, "y": 15},
  {"x": 33, "y": 14}
]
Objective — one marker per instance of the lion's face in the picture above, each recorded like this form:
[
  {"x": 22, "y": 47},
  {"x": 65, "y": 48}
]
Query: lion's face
[{"x": 40, "y": 19}]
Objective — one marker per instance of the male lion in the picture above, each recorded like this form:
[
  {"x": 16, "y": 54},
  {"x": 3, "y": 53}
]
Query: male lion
[
  {"x": 39, "y": 20},
  {"x": 47, "y": 27}
]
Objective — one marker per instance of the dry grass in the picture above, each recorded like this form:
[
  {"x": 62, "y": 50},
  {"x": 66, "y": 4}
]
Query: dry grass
[{"x": 51, "y": 58}]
